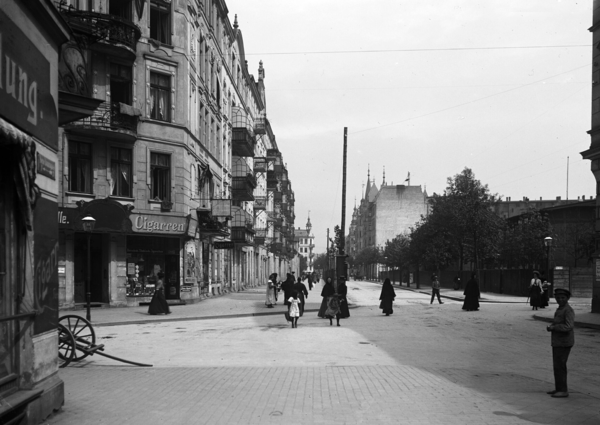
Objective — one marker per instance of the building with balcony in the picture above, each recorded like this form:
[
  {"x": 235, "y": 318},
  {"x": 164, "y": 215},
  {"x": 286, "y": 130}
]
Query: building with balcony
[
  {"x": 305, "y": 244},
  {"x": 164, "y": 150}
]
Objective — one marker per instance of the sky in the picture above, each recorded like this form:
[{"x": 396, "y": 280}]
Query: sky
[{"x": 502, "y": 87}]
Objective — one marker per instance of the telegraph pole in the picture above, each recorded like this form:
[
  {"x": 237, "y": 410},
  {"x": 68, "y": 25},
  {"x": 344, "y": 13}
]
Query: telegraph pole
[{"x": 341, "y": 267}]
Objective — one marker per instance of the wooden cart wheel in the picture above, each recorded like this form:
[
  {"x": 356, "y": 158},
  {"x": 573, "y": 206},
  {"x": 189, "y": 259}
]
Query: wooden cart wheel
[
  {"x": 66, "y": 346},
  {"x": 82, "y": 331}
]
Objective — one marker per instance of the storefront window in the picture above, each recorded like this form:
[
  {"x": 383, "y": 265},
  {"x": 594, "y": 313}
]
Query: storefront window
[{"x": 148, "y": 255}]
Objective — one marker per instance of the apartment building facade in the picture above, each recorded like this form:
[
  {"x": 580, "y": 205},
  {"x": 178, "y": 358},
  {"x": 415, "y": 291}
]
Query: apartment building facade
[{"x": 169, "y": 164}]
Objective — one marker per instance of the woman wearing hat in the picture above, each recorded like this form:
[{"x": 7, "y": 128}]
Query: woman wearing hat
[
  {"x": 563, "y": 338},
  {"x": 535, "y": 291}
]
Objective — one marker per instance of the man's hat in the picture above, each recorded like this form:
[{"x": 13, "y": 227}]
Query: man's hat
[{"x": 563, "y": 291}]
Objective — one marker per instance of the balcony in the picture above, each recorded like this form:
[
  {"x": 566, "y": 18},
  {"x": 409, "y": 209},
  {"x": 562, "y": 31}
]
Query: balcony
[
  {"x": 208, "y": 225},
  {"x": 117, "y": 121},
  {"x": 260, "y": 165},
  {"x": 260, "y": 203},
  {"x": 260, "y": 236},
  {"x": 277, "y": 196},
  {"x": 243, "y": 180},
  {"x": 242, "y": 227},
  {"x": 260, "y": 124},
  {"x": 104, "y": 33},
  {"x": 242, "y": 138},
  {"x": 271, "y": 216}
]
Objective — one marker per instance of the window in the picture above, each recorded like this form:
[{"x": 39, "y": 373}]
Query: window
[
  {"x": 160, "y": 17},
  {"x": 160, "y": 170},
  {"x": 120, "y": 8},
  {"x": 160, "y": 96},
  {"x": 120, "y": 83},
  {"x": 120, "y": 170},
  {"x": 80, "y": 167}
]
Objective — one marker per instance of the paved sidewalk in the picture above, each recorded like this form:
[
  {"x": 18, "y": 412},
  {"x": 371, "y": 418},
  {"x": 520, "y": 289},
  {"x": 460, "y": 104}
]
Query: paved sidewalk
[
  {"x": 582, "y": 306},
  {"x": 248, "y": 302}
]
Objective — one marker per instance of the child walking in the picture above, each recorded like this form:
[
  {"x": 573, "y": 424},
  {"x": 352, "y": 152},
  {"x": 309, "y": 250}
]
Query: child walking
[{"x": 294, "y": 308}]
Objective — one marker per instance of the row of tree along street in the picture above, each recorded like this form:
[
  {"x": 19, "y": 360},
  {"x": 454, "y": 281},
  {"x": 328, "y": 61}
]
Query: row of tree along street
[{"x": 461, "y": 233}]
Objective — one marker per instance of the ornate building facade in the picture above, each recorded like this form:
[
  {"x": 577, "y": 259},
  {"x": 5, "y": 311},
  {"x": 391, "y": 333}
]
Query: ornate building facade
[{"x": 178, "y": 164}]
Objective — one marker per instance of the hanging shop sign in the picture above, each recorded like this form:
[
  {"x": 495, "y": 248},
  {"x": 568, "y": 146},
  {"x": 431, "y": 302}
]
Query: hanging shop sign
[
  {"x": 223, "y": 245},
  {"x": 25, "y": 97},
  {"x": 159, "y": 224}
]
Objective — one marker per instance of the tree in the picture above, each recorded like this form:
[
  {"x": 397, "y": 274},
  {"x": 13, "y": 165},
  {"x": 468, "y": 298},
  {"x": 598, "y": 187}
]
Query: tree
[
  {"x": 396, "y": 253},
  {"x": 303, "y": 264},
  {"x": 522, "y": 242},
  {"x": 576, "y": 240},
  {"x": 465, "y": 215}
]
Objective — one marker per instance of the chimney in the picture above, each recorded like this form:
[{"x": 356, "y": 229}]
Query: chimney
[
  {"x": 558, "y": 198},
  {"x": 583, "y": 198}
]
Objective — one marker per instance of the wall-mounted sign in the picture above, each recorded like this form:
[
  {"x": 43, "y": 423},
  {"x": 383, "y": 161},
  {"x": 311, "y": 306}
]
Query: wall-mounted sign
[
  {"x": 146, "y": 223},
  {"x": 223, "y": 245},
  {"x": 46, "y": 167},
  {"x": 25, "y": 97}
]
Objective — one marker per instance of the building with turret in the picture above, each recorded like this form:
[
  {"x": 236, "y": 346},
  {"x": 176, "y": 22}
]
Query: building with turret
[{"x": 384, "y": 213}]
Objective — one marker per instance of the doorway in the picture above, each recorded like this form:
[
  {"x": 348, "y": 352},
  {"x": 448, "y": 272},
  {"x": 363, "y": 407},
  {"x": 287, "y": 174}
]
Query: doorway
[{"x": 98, "y": 269}]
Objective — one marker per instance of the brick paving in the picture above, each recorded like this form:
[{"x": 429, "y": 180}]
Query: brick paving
[
  {"x": 310, "y": 395},
  {"x": 372, "y": 390}
]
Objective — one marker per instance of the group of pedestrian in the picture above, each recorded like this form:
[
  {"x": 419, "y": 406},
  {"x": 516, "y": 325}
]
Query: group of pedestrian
[{"x": 539, "y": 292}]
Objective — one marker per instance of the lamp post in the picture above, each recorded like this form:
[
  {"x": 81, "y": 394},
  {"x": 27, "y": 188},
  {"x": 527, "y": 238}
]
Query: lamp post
[
  {"x": 88, "y": 223},
  {"x": 548, "y": 244}
]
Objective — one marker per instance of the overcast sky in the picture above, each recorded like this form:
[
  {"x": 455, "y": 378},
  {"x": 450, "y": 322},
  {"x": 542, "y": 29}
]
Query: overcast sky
[{"x": 426, "y": 87}]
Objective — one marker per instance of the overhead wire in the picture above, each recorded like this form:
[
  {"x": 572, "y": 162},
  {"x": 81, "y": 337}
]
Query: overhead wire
[{"x": 432, "y": 49}]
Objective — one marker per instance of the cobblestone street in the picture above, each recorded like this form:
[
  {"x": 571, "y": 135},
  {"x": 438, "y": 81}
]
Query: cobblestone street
[{"x": 426, "y": 364}]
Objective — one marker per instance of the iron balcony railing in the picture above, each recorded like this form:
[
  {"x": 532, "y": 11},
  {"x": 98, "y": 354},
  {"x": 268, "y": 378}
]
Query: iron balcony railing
[
  {"x": 111, "y": 117},
  {"x": 101, "y": 27}
]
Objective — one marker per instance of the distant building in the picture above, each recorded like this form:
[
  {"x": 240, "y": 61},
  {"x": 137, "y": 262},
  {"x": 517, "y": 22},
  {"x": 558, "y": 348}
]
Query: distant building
[
  {"x": 509, "y": 208},
  {"x": 383, "y": 214},
  {"x": 305, "y": 240}
]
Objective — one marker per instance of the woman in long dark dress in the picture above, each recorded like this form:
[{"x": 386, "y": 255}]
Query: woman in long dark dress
[
  {"x": 328, "y": 291},
  {"x": 158, "y": 304},
  {"x": 387, "y": 297},
  {"x": 302, "y": 294},
  {"x": 471, "y": 294},
  {"x": 535, "y": 291},
  {"x": 342, "y": 292}
]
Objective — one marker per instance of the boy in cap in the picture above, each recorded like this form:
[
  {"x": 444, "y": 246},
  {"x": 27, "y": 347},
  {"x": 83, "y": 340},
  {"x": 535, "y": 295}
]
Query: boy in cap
[{"x": 563, "y": 338}]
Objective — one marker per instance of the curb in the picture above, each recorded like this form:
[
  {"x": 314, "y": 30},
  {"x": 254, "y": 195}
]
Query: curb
[
  {"x": 481, "y": 300},
  {"x": 185, "y": 319},
  {"x": 577, "y": 324}
]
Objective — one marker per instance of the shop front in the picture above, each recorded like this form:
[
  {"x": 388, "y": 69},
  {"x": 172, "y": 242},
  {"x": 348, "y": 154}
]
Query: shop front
[{"x": 155, "y": 245}]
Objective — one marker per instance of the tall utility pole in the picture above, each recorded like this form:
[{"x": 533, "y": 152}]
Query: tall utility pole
[
  {"x": 341, "y": 267},
  {"x": 328, "y": 254}
]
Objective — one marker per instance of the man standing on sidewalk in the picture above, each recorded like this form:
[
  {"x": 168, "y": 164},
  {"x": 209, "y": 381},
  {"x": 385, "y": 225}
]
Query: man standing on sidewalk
[
  {"x": 563, "y": 339},
  {"x": 435, "y": 288}
]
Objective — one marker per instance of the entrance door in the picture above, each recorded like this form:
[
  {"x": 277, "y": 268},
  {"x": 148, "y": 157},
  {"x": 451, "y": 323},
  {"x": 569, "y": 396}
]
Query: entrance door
[
  {"x": 172, "y": 277},
  {"x": 97, "y": 294}
]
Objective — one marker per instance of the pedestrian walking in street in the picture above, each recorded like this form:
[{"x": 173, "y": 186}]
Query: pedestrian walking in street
[
  {"x": 535, "y": 291},
  {"x": 300, "y": 288},
  {"x": 328, "y": 291},
  {"x": 563, "y": 339},
  {"x": 294, "y": 309},
  {"x": 435, "y": 289},
  {"x": 271, "y": 290},
  {"x": 342, "y": 292},
  {"x": 333, "y": 309},
  {"x": 545, "y": 292},
  {"x": 158, "y": 304},
  {"x": 387, "y": 297},
  {"x": 287, "y": 287},
  {"x": 471, "y": 294},
  {"x": 457, "y": 283},
  {"x": 310, "y": 281}
]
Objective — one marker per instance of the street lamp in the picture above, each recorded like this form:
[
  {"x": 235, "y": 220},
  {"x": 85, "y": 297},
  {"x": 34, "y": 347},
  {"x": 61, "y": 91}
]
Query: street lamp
[
  {"x": 88, "y": 223},
  {"x": 548, "y": 245}
]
